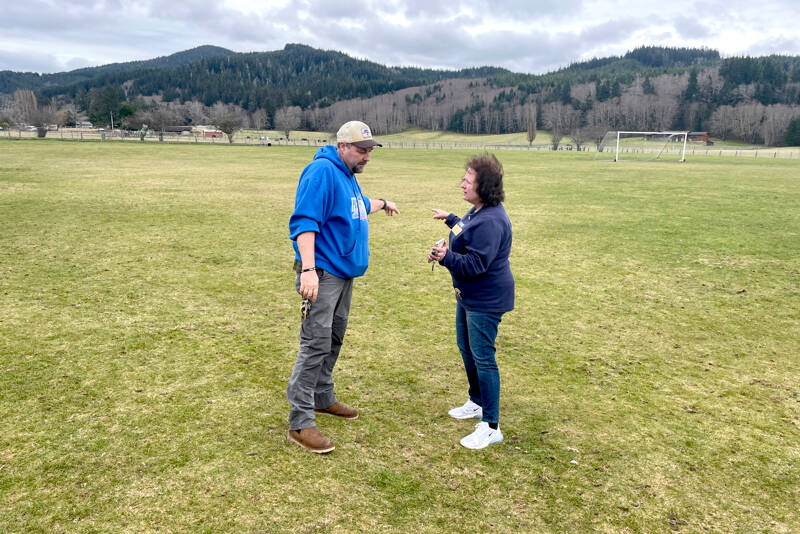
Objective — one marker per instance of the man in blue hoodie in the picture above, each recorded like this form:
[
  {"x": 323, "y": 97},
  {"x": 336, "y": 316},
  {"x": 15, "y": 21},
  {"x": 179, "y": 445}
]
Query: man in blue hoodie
[{"x": 330, "y": 236}]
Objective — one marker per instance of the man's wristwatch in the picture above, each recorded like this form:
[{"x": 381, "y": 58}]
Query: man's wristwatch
[{"x": 384, "y": 203}]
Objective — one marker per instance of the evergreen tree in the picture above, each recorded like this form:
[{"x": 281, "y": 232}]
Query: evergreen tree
[
  {"x": 792, "y": 135},
  {"x": 692, "y": 91},
  {"x": 102, "y": 103},
  {"x": 531, "y": 123}
]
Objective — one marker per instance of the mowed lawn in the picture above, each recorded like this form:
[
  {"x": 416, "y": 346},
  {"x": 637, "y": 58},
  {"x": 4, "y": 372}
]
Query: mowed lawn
[{"x": 148, "y": 325}]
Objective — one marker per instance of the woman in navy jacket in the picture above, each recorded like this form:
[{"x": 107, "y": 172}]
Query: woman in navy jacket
[{"x": 477, "y": 258}]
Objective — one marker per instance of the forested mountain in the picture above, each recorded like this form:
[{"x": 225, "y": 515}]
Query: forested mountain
[
  {"x": 649, "y": 88},
  {"x": 298, "y": 75},
  {"x": 92, "y": 76}
]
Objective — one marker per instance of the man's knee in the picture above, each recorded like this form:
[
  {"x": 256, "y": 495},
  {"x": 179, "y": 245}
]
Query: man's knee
[{"x": 338, "y": 331}]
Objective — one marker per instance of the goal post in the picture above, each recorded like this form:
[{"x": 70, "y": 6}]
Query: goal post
[{"x": 619, "y": 145}]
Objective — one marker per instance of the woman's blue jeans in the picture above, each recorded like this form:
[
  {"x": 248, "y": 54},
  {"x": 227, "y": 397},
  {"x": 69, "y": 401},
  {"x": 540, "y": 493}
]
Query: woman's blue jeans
[{"x": 475, "y": 335}]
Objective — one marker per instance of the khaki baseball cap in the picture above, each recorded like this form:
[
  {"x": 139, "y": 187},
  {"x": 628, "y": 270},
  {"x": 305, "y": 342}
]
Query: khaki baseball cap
[{"x": 356, "y": 133}]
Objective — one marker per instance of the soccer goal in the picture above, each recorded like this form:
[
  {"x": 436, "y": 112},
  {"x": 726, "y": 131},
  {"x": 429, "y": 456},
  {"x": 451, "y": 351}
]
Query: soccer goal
[{"x": 642, "y": 146}]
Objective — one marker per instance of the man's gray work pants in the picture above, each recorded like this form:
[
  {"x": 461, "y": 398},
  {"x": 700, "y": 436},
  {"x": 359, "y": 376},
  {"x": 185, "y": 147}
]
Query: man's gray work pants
[{"x": 321, "y": 334}]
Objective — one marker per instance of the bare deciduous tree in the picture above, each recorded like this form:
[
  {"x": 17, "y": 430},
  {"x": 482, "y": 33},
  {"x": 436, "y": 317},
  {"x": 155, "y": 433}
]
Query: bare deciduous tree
[
  {"x": 28, "y": 111},
  {"x": 580, "y": 136},
  {"x": 259, "y": 119},
  {"x": 288, "y": 119},
  {"x": 195, "y": 112},
  {"x": 561, "y": 119},
  {"x": 160, "y": 118},
  {"x": 748, "y": 121},
  {"x": 595, "y": 133},
  {"x": 25, "y": 106},
  {"x": 67, "y": 116},
  {"x": 776, "y": 121},
  {"x": 722, "y": 122},
  {"x": 227, "y": 118},
  {"x": 42, "y": 118}
]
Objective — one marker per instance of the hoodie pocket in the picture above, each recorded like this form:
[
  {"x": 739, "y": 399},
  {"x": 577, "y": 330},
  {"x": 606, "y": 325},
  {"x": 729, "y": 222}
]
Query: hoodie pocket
[{"x": 349, "y": 251}]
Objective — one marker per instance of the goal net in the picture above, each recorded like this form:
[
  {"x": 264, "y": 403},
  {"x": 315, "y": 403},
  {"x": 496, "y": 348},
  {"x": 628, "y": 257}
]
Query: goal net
[{"x": 642, "y": 146}]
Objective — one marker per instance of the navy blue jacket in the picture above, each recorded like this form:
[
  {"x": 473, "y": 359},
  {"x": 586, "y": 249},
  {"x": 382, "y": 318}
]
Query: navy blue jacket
[
  {"x": 329, "y": 202},
  {"x": 477, "y": 259}
]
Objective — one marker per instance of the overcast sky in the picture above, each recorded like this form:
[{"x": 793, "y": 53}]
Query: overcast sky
[{"x": 522, "y": 35}]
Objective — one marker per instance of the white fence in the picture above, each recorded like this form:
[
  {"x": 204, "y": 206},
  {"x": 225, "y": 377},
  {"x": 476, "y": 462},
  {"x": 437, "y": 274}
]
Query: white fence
[
  {"x": 116, "y": 136},
  {"x": 84, "y": 134}
]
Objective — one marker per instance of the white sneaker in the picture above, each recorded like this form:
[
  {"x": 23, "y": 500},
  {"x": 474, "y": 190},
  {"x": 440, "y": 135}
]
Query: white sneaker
[
  {"x": 483, "y": 436},
  {"x": 468, "y": 411}
]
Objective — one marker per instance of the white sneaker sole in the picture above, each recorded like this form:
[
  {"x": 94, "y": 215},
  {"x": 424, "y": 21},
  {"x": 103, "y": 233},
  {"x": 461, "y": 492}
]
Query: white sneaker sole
[
  {"x": 458, "y": 415},
  {"x": 475, "y": 448}
]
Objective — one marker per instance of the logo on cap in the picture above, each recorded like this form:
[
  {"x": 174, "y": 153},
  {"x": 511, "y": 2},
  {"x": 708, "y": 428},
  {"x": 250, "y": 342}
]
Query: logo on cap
[{"x": 356, "y": 133}]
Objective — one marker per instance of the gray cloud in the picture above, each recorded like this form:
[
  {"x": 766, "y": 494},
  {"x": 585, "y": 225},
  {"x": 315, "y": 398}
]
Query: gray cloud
[
  {"x": 691, "y": 28},
  {"x": 34, "y": 61},
  {"x": 527, "y": 10},
  {"x": 781, "y": 45},
  {"x": 608, "y": 32},
  {"x": 522, "y": 35}
]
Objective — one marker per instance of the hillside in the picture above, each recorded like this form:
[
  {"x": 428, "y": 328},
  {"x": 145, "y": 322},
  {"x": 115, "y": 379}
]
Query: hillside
[
  {"x": 94, "y": 76},
  {"x": 297, "y": 75},
  {"x": 649, "y": 88}
]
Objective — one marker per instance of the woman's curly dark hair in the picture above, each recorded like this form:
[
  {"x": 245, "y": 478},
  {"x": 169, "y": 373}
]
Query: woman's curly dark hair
[{"x": 490, "y": 178}]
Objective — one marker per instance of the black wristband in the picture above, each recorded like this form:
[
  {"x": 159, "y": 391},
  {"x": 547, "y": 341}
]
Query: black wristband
[
  {"x": 384, "y": 203},
  {"x": 308, "y": 270}
]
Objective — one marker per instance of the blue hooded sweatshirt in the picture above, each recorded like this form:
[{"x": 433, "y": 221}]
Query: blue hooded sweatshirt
[{"x": 329, "y": 202}]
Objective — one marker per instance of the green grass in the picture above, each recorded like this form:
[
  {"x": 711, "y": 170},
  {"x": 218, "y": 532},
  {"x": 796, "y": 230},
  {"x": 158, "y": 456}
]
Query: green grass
[
  {"x": 148, "y": 325},
  {"x": 430, "y": 136}
]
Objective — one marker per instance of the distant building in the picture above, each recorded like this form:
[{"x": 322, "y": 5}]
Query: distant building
[
  {"x": 212, "y": 133},
  {"x": 85, "y": 124},
  {"x": 699, "y": 136}
]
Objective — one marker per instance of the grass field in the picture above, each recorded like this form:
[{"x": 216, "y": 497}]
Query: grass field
[{"x": 148, "y": 325}]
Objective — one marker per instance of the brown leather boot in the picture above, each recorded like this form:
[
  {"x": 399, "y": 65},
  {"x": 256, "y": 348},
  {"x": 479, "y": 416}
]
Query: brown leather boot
[
  {"x": 311, "y": 439},
  {"x": 339, "y": 410}
]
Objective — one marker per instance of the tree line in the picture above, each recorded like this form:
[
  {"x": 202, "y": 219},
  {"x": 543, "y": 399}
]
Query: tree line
[{"x": 649, "y": 88}]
